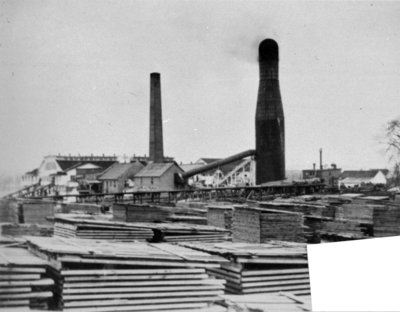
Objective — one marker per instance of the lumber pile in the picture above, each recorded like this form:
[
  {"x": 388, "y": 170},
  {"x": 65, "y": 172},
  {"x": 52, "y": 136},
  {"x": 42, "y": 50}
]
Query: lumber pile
[
  {"x": 37, "y": 211},
  {"x": 115, "y": 276},
  {"x": 260, "y": 268},
  {"x": 358, "y": 212},
  {"x": 26, "y": 229},
  {"x": 246, "y": 226},
  {"x": 266, "y": 302},
  {"x": 281, "y": 226},
  {"x": 314, "y": 226},
  {"x": 80, "y": 208},
  {"x": 140, "y": 213},
  {"x": 220, "y": 216},
  {"x": 173, "y": 232},
  {"x": 90, "y": 228},
  {"x": 23, "y": 283},
  {"x": 188, "y": 215},
  {"x": 156, "y": 213},
  {"x": 258, "y": 225},
  {"x": 297, "y": 205},
  {"x": 8, "y": 210},
  {"x": 188, "y": 219},
  {"x": 386, "y": 220},
  {"x": 193, "y": 204},
  {"x": 343, "y": 230},
  {"x": 181, "y": 210}
]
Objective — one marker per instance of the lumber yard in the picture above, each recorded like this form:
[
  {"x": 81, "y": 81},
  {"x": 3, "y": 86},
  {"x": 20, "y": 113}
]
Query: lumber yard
[{"x": 167, "y": 245}]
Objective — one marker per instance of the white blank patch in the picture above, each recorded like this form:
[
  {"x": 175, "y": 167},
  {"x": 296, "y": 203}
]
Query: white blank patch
[{"x": 362, "y": 275}]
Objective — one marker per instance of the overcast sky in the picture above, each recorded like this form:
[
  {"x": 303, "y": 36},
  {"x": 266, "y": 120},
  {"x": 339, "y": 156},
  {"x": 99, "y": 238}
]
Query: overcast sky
[{"x": 75, "y": 77}]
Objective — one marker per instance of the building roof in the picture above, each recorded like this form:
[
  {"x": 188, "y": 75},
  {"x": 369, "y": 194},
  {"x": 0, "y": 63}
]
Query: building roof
[
  {"x": 119, "y": 170},
  {"x": 351, "y": 180},
  {"x": 363, "y": 174},
  {"x": 323, "y": 169},
  {"x": 68, "y": 164},
  {"x": 155, "y": 170},
  {"x": 88, "y": 166}
]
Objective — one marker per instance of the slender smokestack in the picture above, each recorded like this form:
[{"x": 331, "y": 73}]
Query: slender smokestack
[
  {"x": 320, "y": 158},
  {"x": 156, "y": 153},
  {"x": 270, "y": 123}
]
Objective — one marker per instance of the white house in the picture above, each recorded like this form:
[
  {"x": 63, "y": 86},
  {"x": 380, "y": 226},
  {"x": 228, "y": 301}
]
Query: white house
[{"x": 352, "y": 178}]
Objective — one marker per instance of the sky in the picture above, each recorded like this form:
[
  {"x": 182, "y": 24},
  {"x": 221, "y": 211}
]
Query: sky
[{"x": 75, "y": 78}]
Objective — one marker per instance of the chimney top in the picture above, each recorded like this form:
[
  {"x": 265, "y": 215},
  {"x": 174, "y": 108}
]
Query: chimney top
[{"x": 268, "y": 50}]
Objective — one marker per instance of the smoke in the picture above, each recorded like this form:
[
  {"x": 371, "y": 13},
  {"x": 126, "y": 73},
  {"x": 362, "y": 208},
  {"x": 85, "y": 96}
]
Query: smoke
[{"x": 235, "y": 28}]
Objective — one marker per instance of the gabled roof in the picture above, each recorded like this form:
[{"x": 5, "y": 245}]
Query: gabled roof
[
  {"x": 119, "y": 170},
  {"x": 69, "y": 164},
  {"x": 155, "y": 170},
  {"x": 88, "y": 166},
  {"x": 384, "y": 171},
  {"x": 362, "y": 174},
  {"x": 354, "y": 180}
]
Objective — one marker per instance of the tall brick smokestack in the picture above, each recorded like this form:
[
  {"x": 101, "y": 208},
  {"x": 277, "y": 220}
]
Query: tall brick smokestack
[
  {"x": 270, "y": 122},
  {"x": 156, "y": 152}
]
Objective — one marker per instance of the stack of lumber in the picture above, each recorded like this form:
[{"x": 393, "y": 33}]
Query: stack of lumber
[
  {"x": 188, "y": 215},
  {"x": 8, "y": 210},
  {"x": 342, "y": 230},
  {"x": 189, "y": 211},
  {"x": 115, "y": 276},
  {"x": 81, "y": 227},
  {"x": 296, "y": 205},
  {"x": 188, "y": 219},
  {"x": 155, "y": 213},
  {"x": 266, "y": 302},
  {"x": 37, "y": 211},
  {"x": 260, "y": 268},
  {"x": 193, "y": 204},
  {"x": 80, "y": 208},
  {"x": 220, "y": 216},
  {"x": 258, "y": 225},
  {"x": 284, "y": 225},
  {"x": 357, "y": 212},
  {"x": 140, "y": 213},
  {"x": 22, "y": 280},
  {"x": 314, "y": 226},
  {"x": 246, "y": 225},
  {"x": 26, "y": 229},
  {"x": 332, "y": 217},
  {"x": 180, "y": 232},
  {"x": 386, "y": 220}
]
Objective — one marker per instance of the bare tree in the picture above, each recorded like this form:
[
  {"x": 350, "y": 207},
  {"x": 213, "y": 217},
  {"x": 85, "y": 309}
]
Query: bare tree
[
  {"x": 392, "y": 142},
  {"x": 393, "y": 138}
]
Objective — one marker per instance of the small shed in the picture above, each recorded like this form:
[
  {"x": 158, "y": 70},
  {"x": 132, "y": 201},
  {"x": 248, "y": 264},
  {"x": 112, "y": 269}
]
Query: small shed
[
  {"x": 114, "y": 178},
  {"x": 157, "y": 176}
]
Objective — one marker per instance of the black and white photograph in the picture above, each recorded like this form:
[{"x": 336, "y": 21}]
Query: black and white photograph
[{"x": 205, "y": 156}]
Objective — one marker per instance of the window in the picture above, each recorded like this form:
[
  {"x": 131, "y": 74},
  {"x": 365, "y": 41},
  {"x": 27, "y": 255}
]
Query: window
[{"x": 152, "y": 181}]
